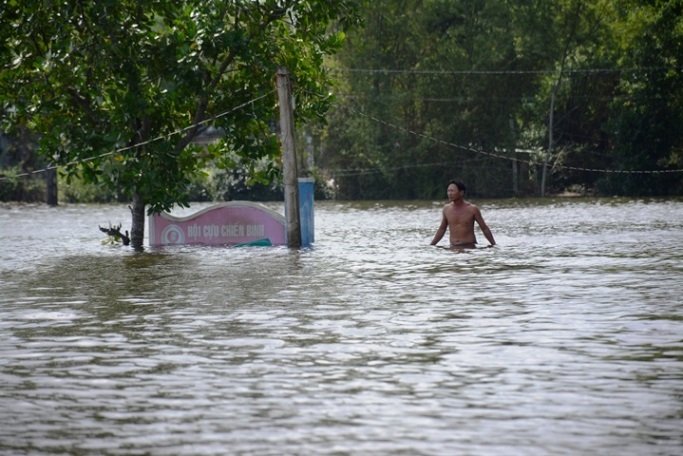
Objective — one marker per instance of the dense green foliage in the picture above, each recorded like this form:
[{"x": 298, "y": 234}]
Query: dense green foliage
[
  {"x": 123, "y": 86},
  {"x": 427, "y": 90},
  {"x": 435, "y": 89}
]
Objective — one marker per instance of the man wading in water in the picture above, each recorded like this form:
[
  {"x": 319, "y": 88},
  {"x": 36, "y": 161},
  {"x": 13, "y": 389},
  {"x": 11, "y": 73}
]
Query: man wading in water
[{"x": 459, "y": 217}]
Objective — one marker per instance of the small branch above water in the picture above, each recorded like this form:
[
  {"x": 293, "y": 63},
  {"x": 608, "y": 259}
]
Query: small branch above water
[{"x": 115, "y": 232}]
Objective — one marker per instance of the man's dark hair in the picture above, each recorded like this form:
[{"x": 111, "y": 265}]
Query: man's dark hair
[{"x": 458, "y": 184}]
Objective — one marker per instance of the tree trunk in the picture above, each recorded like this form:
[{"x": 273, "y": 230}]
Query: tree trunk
[
  {"x": 51, "y": 186},
  {"x": 137, "y": 229},
  {"x": 515, "y": 178},
  {"x": 565, "y": 55}
]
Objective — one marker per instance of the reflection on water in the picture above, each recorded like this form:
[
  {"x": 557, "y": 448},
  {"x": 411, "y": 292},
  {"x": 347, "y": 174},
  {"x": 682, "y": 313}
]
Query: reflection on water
[{"x": 565, "y": 339}]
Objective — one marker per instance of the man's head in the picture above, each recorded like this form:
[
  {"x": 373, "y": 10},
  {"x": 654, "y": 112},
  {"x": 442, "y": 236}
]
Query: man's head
[
  {"x": 458, "y": 184},
  {"x": 455, "y": 190}
]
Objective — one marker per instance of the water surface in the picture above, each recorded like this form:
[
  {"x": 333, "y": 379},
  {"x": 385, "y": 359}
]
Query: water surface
[{"x": 567, "y": 338}]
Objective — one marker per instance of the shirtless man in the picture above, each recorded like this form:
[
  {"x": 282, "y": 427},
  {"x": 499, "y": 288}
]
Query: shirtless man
[{"x": 459, "y": 217}]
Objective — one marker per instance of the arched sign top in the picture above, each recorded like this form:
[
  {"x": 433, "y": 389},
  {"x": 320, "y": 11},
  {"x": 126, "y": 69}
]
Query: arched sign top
[{"x": 233, "y": 222}]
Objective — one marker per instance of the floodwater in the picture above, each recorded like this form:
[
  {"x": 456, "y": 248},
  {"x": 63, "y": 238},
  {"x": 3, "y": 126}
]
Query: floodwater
[{"x": 565, "y": 339}]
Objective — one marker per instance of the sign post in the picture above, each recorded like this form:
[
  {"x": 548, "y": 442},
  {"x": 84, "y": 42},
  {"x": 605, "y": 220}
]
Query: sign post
[{"x": 306, "y": 216}]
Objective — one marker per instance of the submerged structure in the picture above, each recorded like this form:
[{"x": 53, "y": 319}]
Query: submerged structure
[{"x": 234, "y": 223}]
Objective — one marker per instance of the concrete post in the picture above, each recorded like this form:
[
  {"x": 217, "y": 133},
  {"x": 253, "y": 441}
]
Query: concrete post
[{"x": 284, "y": 91}]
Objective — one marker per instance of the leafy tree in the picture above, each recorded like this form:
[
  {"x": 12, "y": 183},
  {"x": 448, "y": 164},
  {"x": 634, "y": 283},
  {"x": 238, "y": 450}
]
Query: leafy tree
[
  {"x": 620, "y": 97},
  {"x": 450, "y": 89},
  {"x": 646, "y": 116},
  {"x": 123, "y": 87},
  {"x": 428, "y": 85}
]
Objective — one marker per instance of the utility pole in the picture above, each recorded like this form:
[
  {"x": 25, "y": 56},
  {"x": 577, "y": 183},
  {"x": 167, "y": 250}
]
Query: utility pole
[
  {"x": 289, "y": 164},
  {"x": 513, "y": 154},
  {"x": 548, "y": 154}
]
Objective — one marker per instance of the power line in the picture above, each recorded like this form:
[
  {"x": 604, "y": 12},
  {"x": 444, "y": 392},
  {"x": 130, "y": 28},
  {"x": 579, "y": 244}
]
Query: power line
[
  {"x": 471, "y": 98},
  {"x": 346, "y": 173},
  {"x": 499, "y": 72},
  {"x": 143, "y": 143}
]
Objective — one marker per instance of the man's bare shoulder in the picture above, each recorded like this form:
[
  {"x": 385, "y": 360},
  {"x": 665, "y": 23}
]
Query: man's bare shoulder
[
  {"x": 471, "y": 207},
  {"x": 464, "y": 205}
]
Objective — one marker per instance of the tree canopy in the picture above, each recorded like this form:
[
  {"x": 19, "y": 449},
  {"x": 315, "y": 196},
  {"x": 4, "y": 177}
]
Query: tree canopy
[
  {"x": 490, "y": 90},
  {"x": 124, "y": 87}
]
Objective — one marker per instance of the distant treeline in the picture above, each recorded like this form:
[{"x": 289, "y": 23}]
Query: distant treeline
[{"x": 493, "y": 92}]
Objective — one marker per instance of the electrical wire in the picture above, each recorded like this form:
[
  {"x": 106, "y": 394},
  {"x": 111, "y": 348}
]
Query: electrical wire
[
  {"x": 140, "y": 144},
  {"x": 357, "y": 172}
]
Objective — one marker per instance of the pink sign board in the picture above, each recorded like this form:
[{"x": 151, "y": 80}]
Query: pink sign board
[{"x": 234, "y": 222}]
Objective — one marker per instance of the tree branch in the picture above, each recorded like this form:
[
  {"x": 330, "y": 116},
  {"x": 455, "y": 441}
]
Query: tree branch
[
  {"x": 115, "y": 232},
  {"x": 203, "y": 101}
]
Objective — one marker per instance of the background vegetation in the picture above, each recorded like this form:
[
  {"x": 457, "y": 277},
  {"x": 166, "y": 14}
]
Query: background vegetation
[
  {"x": 424, "y": 91},
  {"x": 434, "y": 89}
]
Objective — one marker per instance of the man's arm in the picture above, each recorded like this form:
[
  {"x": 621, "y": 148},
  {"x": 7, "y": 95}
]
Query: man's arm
[
  {"x": 484, "y": 227},
  {"x": 441, "y": 231}
]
